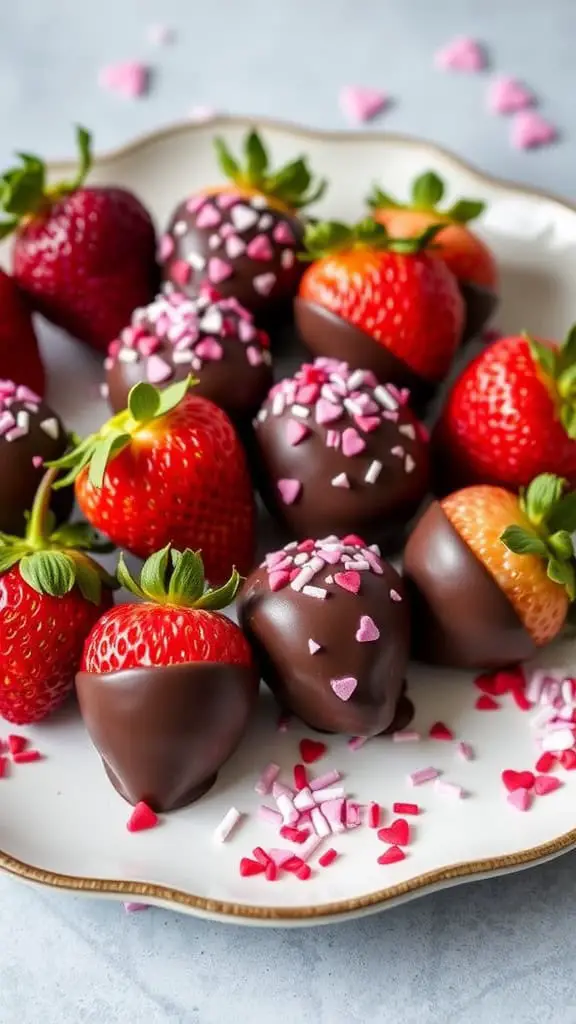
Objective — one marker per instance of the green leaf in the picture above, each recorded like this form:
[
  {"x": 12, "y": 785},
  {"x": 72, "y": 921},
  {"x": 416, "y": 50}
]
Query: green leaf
[
  {"x": 84, "y": 144},
  {"x": 7, "y": 227},
  {"x": 88, "y": 580},
  {"x": 48, "y": 572},
  {"x": 563, "y": 573},
  {"x": 567, "y": 382},
  {"x": 568, "y": 420},
  {"x": 370, "y": 232},
  {"x": 427, "y": 191},
  {"x": 561, "y": 544},
  {"x": 563, "y": 515},
  {"x": 25, "y": 192},
  {"x": 328, "y": 236},
  {"x": 416, "y": 244},
  {"x": 543, "y": 356},
  {"x": 171, "y": 396},
  {"x": 228, "y": 165},
  {"x": 143, "y": 401},
  {"x": 465, "y": 210},
  {"x": 126, "y": 580},
  {"x": 9, "y": 556},
  {"x": 153, "y": 575},
  {"x": 378, "y": 200},
  {"x": 311, "y": 197},
  {"x": 290, "y": 182},
  {"x": 256, "y": 158},
  {"x": 187, "y": 581},
  {"x": 70, "y": 458},
  {"x": 81, "y": 536},
  {"x": 523, "y": 542},
  {"x": 567, "y": 354},
  {"x": 105, "y": 450},
  {"x": 541, "y": 496},
  {"x": 213, "y": 600}
]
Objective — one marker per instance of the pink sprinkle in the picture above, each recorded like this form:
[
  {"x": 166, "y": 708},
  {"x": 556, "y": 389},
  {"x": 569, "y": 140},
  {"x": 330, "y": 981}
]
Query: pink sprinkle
[
  {"x": 530, "y": 130},
  {"x": 395, "y": 596},
  {"x": 296, "y": 432},
  {"x": 7, "y": 421},
  {"x": 157, "y": 370},
  {"x": 313, "y": 647},
  {"x": 226, "y": 200},
  {"x": 397, "y": 450},
  {"x": 423, "y": 775},
  {"x": 234, "y": 246},
  {"x": 195, "y": 203},
  {"x": 400, "y": 808},
  {"x": 367, "y": 423},
  {"x": 332, "y": 439},
  {"x": 344, "y": 686},
  {"x": 15, "y": 434},
  {"x": 406, "y": 736},
  {"x": 319, "y": 823},
  {"x": 287, "y": 810},
  {"x": 37, "y": 461},
  {"x": 360, "y": 104},
  {"x": 260, "y": 249},
  {"x": 264, "y": 283},
  {"x": 449, "y": 789},
  {"x": 323, "y": 781},
  {"x": 25, "y": 394},
  {"x": 268, "y": 814},
  {"x": 180, "y": 272},
  {"x": 462, "y": 54},
  {"x": 219, "y": 270},
  {"x": 465, "y": 751},
  {"x": 304, "y": 801},
  {"x": 267, "y": 779},
  {"x": 544, "y": 784},
  {"x": 209, "y": 349},
  {"x": 507, "y": 95},
  {"x": 254, "y": 356},
  {"x": 373, "y": 815},
  {"x": 129, "y": 79},
  {"x": 134, "y": 908},
  {"x": 246, "y": 331},
  {"x": 282, "y": 234},
  {"x": 357, "y": 742},
  {"x": 278, "y": 580},
  {"x": 521, "y": 799},
  {"x": 289, "y": 490},
  {"x": 328, "y": 858},
  {"x": 367, "y": 630},
  {"x": 208, "y": 217},
  {"x": 352, "y": 443},
  {"x": 352, "y": 814},
  {"x": 166, "y": 247},
  {"x": 327, "y": 412},
  {"x": 280, "y": 856}
]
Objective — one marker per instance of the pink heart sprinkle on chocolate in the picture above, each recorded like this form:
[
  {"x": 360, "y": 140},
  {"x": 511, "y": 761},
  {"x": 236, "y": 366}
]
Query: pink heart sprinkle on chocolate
[
  {"x": 234, "y": 246},
  {"x": 166, "y": 247},
  {"x": 208, "y": 217},
  {"x": 264, "y": 283},
  {"x": 260, "y": 249},
  {"x": 296, "y": 432},
  {"x": 158, "y": 370},
  {"x": 367, "y": 423},
  {"x": 327, "y": 412},
  {"x": 278, "y": 580},
  {"x": 289, "y": 490},
  {"x": 209, "y": 349},
  {"x": 226, "y": 200},
  {"x": 367, "y": 630},
  {"x": 313, "y": 647},
  {"x": 282, "y": 234},
  {"x": 37, "y": 461},
  {"x": 352, "y": 443},
  {"x": 195, "y": 203},
  {"x": 348, "y": 581},
  {"x": 520, "y": 799},
  {"x": 344, "y": 686},
  {"x": 180, "y": 272},
  {"x": 219, "y": 270}
]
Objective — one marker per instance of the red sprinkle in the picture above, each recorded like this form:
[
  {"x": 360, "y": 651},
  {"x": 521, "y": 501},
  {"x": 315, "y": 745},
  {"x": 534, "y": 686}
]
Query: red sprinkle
[
  {"x": 304, "y": 872},
  {"x": 294, "y": 864},
  {"x": 392, "y": 855},
  {"x": 27, "y": 756},
  {"x": 486, "y": 703},
  {"x": 16, "y": 744},
  {"x": 374, "y": 811},
  {"x": 521, "y": 699},
  {"x": 300, "y": 777},
  {"x": 439, "y": 731},
  {"x": 312, "y": 750},
  {"x": 510, "y": 679},
  {"x": 545, "y": 762},
  {"x": 517, "y": 780},
  {"x": 568, "y": 760},
  {"x": 328, "y": 858},
  {"x": 3, "y": 766},
  {"x": 142, "y": 817},
  {"x": 398, "y": 833},
  {"x": 406, "y": 809},
  {"x": 271, "y": 871},
  {"x": 295, "y": 835},
  {"x": 261, "y": 856},
  {"x": 250, "y": 867}
]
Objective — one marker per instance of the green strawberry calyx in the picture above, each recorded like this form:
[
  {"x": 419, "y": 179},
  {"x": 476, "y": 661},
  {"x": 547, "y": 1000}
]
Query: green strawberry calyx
[
  {"x": 145, "y": 404},
  {"x": 427, "y": 193},
  {"x": 25, "y": 192},
  {"x": 293, "y": 184},
  {"x": 550, "y": 511},
  {"x": 53, "y": 560},
  {"x": 558, "y": 363},
  {"x": 176, "y": 578},
  {"x": 330, "y": 236}
]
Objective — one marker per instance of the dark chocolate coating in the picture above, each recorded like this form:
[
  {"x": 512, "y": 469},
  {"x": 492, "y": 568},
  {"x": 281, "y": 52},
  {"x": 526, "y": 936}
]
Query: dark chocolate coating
[
  {"x": 279, "y": 625},
  {"x": 164, "y": 732},
  {"x": 461, "y": 617},
  {"x": 480, "y": 305},
  {"x": 273, "y": 307},
  {"x": 20, "y": 479},
  {"x": 326, "y": 334}
]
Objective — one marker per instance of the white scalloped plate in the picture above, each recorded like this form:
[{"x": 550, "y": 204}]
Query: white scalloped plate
[{"x": 62, "y": 825}]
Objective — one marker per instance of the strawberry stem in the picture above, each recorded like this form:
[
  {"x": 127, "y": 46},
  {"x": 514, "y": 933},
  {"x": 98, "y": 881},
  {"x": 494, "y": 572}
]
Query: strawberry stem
[
  {"x": 176, "y": 578},
  {"x": 292, "y": 184},
  {"x": 36, "y": 528},
  {"x": 327, "y": 237},
  {"x": 427, "y": 193}
]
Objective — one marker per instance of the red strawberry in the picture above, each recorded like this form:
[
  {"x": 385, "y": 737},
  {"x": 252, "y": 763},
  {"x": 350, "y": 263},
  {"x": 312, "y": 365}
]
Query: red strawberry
[
  {"x": 168, "y": 470},
  {"x": 391, "y": 290},
  {"x": 19, "y": 356},
  {"x": 51, "y": 594},
  {"x": 85, "y": 256},
  {"x": 511, "y": 415},
  {"x": 176, "y": 621}
]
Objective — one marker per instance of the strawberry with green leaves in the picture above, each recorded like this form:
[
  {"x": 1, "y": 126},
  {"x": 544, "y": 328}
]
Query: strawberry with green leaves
[
  {"x": 51, "y": 594},
  {"x": 510, "y": 415},
  {"x": 242, "y": 238},
  {"x": 169, "y": 469}
]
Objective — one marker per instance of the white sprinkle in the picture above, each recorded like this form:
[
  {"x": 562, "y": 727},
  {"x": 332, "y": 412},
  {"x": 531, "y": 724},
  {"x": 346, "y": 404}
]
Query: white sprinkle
[
  {"x": 398, "y": 451},
  {"x": 32, "y": 407},
  {"x": 315, "y": 592},
  {"x": 104, "y": 390},
  {"x": 286, "y": 807},
  {"x": 319, "y": 823},
  {"x": 301, "y": 411},
  {"x": 353, "y": 407},
  {"x": 265, "y": 222},
  {"x": 229, "y": 822},
  {"x": 408, "y": 736},
  {"x": 568, "y": 691},
  {"x": 262, "y": 415},
  {"x": 373, "y": 472},
  {"x": 304, "y": 800},
  {"x": 267, "y": 778},
  {"x": 128, "y": 355},
  {"x": 301, "y": 558},
  {"x": 449, "y": 789},
  {"x": 408, "y": 430},
  {"x": 355, "y": 380},
  {"x": 180, "y": 228},
  {"x": 181, "y": 356},
  {"x": 214, "y": 242},
  {"x": 278, "y": 404},
  {"x": 360, "y": 564},
  {"x": 327, "y": 392},
  {"x": 409, "y": 464},
  {"x": 375, "y": 549},
  {"x": 384, "y": 398},
  {"x": 287, "y": 258},
  {"x": 306, "y": 575},
  {"x": 212, "y": 322},
  {"x": 423, "y": 775},
  {"x": 316, "y": 563},
  {"x": 310, "y": 846},
  {"x": 51, "y": 426},
  {"x": 329, "y": 793},
  {"x": 291, "y": 545},
  {"x": 340, "y": 481},
  {"x": 465, "y": 751},
  {"x": 196, "y": 261},
  {"x": 23, "y": 420},
  {"x": 561, "y": 740},
  {"x": 329, "y": 579}
]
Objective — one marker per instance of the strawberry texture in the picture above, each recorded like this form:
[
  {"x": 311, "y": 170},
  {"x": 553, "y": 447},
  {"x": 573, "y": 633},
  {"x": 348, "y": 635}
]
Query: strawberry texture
[{"x": 19, "y": 355}]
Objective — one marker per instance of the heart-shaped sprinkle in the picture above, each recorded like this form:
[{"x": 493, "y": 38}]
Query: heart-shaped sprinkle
[
  {"x": 530, "y": 130},
  {"x": 166, "y": 247},
  {"x": 129, "y": 79},
  {"x": 507, "y": 95},
  {"x": 340, "y": 481},
  {"x": 246, "y": 331},
  {"x": 545, "y": 784},
  {"x": 407, "y": 430},
  {"x": 289, "y": 490},
  {"x": 282, "y": 234},
  {"x": 311, "y": 750},
  {"x": 142, "y": 817},
  {"x": 37, "y": 461},
  {"x": 439, "y": 731},
  {"x": 332, "y": 557},
  {"x": 517, "y": 780},
  {"x": 208, "y": 217},
  {"x": 361, "y": 104},
  {"x": 397, "y": 834},
  {"x": 296, "y": 431},
  {"x": 520, "y": 799},
  {"x": 260, "y": 249},
  {"x": 209, "y": 349},
  {"x": 195, "y": 203},
  {"x": 234, "y": 246},
  {"x": 243, "y": 217},
  {"x": 327, "y": 412},
  {"x": 545, "y": 762},
  {"x": 352, "y": 443},
  {"x": 180, "y": 272},
  {"x": 313, "y": 647},
  {"x": 278, "y": 580},
  {"x": 219, "y": 270},
  {"x": 344, "y": 686},
  {"x": 348, "y": 581},
  {"x": 392, "y": 855},
  {"x": 265, "y": 223},
  {"x": 568, "y": 760},
  {"x": 264, "y": 283},
  {"x": 395, "y": 596},
  {"x": 367, "y": 630},
  {"x": 367, "y": 423},
  {"x": 486, "y": 703},
  {"x": 462, "y": 54},
  {"x": 226, "y": 200},
  {"x": 158, "y": 370}
]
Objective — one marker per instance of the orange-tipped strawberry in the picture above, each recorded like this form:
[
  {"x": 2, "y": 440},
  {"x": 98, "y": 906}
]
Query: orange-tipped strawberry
[
  {"x": 380, "y": 303},
  {"x": 242, "y": 238},
  {"x": 169, "y": 469},
  {"x": 492, "y": 574},
  {"x": 469, "y": 259}
]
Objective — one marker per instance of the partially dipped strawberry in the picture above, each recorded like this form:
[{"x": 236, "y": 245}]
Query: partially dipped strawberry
[
  {"x": 51, "y": 594},
  {"x": 492, "y": 573},
  {"x": 20, "y": 359},
  {"x": 168, "y": 683},
  {"x": 243, "y": 237},
  {"x": 380, "y": 303},
  {"x": 169, "y": 469},
  {"x": 510, "y": 415},
  {"x": 84, "y": 255},
  {"x": 467, "y": 256}
]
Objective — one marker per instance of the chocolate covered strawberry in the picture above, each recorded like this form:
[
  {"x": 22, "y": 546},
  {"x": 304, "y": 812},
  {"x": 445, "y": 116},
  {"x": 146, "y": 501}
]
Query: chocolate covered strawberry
[
  {"x": 169, "y": 469},
  {"x": 511, "y": 415},
  {"x": 243, "y": 237},
  {"x": 84, "y": 255},
  {"x": 168, "y": 683},
  {"x": 491, "y": 573},
  {"x": 380, "y": 303},
  {"x": 467, "y": 256},
  {"x": 19, "y": 355},
  {"x": 51, "y": 594}
]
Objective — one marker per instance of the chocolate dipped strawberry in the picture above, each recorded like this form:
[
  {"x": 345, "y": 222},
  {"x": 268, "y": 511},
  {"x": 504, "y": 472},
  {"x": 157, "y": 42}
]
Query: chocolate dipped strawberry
[
  {"x": 169, "y": 469},
  {"x": 167, "y": 684},
  {"x": 20, "y": 359},
  {"x": 491, "y": 574},
  {"x": 340, "y": 452},
  {"x": 31, "y": 434},
  {"x": 467, "y": 256},
  {"x": 51, "y": 594},
  {"x": 330, "y": 626},
  {"x": 243, "y": 237},
  {"x": 380, "y": 303}
]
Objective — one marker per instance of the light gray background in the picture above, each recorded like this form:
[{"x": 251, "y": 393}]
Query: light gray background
[{"x": 498, "y": 952}]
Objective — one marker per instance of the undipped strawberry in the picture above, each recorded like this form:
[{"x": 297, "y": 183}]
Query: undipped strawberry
[
  {"x": 168, "y": 470},
  {"x": 19, "y": 355},
  {"x": 84, "y": 255}
]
